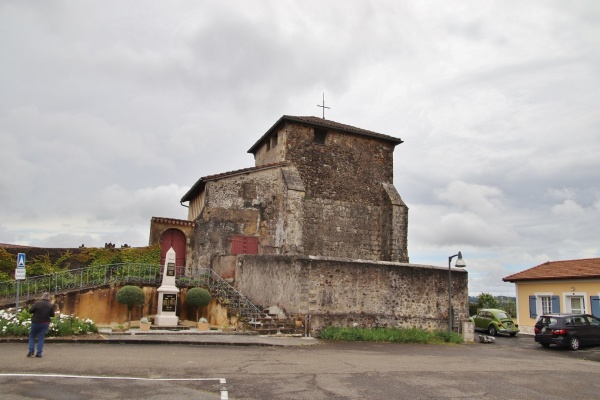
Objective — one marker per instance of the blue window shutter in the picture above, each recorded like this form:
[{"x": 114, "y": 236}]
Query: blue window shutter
[
  {"x": 595, "y": 302},
  {"x": 532, "y": 312},
  {"x": 555, "y": 304}
]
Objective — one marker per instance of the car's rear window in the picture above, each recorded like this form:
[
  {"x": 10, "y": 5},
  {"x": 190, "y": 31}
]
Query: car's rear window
[
  {"x": 503, "y": 315},
  {"x": 547, "y": 321}
]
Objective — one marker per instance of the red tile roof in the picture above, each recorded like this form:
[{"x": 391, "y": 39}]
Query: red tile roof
[
  {"x": 324, "y": 123},
  {"x": 587, "y": 268}
]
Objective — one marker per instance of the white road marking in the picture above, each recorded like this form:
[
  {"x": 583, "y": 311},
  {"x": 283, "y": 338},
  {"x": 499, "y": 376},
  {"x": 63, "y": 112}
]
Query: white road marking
[{"x": 222, "y": 381}]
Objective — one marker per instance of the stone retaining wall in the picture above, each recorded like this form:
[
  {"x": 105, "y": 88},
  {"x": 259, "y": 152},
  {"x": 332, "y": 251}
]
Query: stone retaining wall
[{"x": 347, "y": 292}]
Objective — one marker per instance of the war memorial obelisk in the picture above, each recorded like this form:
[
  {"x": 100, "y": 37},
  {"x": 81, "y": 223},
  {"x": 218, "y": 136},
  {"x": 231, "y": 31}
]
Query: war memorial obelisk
[{"x": 167, "y": 294}]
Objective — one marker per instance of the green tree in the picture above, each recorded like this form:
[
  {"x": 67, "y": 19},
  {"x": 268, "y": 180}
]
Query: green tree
[
  {"x": 130, "y": 296},
  {"x": 198, "y": 297},
  {"x": 486, "y": 300},
  {"x": 509, "y": 306}
]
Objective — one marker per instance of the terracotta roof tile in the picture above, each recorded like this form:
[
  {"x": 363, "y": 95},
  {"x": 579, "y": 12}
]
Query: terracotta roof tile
[{"x": 587, "y": 268}]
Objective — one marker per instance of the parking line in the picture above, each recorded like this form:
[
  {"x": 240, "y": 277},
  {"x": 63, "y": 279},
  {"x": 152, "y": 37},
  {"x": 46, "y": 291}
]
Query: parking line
[{"x": 222, "y": 381}]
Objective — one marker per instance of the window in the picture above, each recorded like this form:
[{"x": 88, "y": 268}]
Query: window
[
  {"x": 320, "y": 135},
  {"x": 576, "y": 304},
  {"x": 244, "y": 245},
  {"x": 271, "y": 142},
  {"x": 593, "y": 321},
  {"x": 543, "y": 303},
  {"x": 546, "y": 304}
]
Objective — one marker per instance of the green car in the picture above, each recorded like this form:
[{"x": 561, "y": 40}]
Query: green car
[{"x": 494, "y": 321}]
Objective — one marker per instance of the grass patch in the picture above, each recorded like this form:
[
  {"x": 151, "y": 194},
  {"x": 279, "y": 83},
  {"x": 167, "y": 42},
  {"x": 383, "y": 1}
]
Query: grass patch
[{"x": 391, "y": 335}]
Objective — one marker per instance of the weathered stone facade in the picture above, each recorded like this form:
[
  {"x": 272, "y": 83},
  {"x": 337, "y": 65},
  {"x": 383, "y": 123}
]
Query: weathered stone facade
[
  {"x": 329, "y": 197},
  {"x": 343, "y": 292}
]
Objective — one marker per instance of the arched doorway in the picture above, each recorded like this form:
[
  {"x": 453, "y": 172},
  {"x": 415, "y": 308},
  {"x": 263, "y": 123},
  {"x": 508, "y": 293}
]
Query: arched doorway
[{"x": 176, "y": 239}]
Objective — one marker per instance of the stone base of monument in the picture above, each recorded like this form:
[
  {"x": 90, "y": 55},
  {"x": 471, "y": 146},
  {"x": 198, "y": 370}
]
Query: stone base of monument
[{"x": 166, "y": 320}]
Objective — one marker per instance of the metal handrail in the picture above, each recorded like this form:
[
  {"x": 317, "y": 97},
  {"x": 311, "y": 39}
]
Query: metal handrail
[
  {"x": 125, "y": 273},
  {"x": 80, "y": 278}
]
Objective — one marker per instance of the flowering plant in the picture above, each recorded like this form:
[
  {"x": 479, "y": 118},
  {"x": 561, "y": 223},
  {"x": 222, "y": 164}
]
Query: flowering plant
[{"x": 12, "y": 324}]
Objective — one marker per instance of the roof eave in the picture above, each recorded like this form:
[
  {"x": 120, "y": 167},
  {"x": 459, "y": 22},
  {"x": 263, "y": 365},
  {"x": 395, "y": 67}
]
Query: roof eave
[
  {"x": 284, "y": 118},
  {"x": 549, "y": 278},
  {"x": 195, "y": 189},
  {"x": 267, "y": 134}
]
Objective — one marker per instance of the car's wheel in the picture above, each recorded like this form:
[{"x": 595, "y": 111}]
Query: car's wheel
[
  {"x": 513, "y": 334},
  {"x": 574, "y": 343},
  {"x": 546, "y": 345},
  {"x": 492, "y": 330}
]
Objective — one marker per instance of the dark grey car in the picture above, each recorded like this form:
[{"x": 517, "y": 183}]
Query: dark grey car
[{"x": 569, "y": 330}]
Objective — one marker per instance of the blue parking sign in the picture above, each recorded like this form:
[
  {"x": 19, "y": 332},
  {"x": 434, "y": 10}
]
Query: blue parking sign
[{"x": 21, "y": 260}]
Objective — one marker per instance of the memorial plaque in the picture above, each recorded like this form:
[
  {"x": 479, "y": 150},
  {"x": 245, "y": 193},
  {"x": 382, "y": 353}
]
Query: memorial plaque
[
  {"x": 171, "y": 269},
  {"x": 169, "y": 302}
]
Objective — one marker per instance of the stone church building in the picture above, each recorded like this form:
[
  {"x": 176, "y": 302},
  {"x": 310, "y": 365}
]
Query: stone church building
[{"x": 315, "y": 227}]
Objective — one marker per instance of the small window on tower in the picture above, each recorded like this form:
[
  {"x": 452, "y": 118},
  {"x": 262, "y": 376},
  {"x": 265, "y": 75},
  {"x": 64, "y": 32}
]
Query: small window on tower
[
  {"x": 274, "y": 140},
  {"x": 320, "y": 135}
]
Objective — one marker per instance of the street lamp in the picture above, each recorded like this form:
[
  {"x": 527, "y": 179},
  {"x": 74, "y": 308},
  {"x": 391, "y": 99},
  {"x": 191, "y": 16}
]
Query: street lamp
[{"x": 460, "y": 263}]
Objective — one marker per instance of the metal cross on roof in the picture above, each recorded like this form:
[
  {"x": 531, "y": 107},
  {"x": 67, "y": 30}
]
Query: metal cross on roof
[{"x": 323, "y": 106}]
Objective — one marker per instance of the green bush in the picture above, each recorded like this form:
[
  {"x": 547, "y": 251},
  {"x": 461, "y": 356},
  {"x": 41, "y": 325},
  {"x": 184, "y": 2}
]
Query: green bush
[
  {"x": 198, "y": 297},
  {"x": 391, "y": 335}
]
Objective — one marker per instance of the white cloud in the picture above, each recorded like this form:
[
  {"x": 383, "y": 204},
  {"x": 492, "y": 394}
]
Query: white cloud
[
  {"x": 108, "y": 112},
  {"x": 479, "y": 199},
  {"x": 568, "y": 208}
]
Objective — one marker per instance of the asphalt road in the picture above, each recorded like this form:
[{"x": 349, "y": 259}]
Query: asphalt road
[
  {"x": 511, "y": 368},
  {"x": 526, "y": 342}
]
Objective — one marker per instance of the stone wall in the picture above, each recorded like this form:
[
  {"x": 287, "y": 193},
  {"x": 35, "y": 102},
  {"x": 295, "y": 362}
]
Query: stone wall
[
  {"x": 245, "y": 204},
  {"x": 347, "y": 167},
  {"x": 101, "y": 306},
  {"x": 343, "y": 292}
]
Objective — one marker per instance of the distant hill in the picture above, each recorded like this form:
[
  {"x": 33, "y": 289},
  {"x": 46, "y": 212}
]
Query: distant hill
[{"x": 501, "y": 299}]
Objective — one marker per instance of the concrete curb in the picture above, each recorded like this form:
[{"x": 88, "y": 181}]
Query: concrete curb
[{"x": 190, "y": 338}]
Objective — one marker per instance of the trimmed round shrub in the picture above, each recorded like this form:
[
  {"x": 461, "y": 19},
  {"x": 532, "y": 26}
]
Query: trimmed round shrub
[
  {"x": 130, "y": 296},
  {"x": 198, "y": 297}
]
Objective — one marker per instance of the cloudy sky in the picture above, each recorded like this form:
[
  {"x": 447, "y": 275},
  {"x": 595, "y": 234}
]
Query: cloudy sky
[{"x": 111, "y": 110}]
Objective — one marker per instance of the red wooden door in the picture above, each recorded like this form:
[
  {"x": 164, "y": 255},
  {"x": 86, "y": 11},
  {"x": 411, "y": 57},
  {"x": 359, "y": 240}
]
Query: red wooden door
[{"x": 176, "y": 239}]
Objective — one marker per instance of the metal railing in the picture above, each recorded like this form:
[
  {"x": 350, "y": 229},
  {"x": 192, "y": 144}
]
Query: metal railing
[
  {"x": 128, "y": 273},
  {"x": 79, "y": 279}
]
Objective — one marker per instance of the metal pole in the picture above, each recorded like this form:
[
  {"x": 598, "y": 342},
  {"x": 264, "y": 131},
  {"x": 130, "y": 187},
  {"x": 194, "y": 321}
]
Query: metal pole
[
  {"x": 17, "y": 300},
  {"x": 459, "y": 264},
  {"x": 450, "y": 294}
]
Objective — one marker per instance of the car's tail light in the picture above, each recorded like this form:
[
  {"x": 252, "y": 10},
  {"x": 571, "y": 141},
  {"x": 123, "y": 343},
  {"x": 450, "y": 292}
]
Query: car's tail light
[
  {"x": 536, "y": 330},
  {"x": 559, "y": 332},
  {"x": 516, "y": 325}
]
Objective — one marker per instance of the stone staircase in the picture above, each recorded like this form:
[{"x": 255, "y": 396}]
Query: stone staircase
[{"x": 273, "y": 321}]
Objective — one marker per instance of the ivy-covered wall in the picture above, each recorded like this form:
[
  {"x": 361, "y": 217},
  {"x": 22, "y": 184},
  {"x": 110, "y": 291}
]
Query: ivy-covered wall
[{"x": 40, "y": 261}]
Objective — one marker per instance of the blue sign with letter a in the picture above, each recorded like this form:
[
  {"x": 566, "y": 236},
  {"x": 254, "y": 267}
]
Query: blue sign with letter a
[{"x": 21, "y": 260}]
